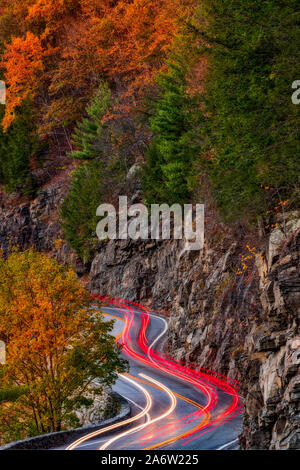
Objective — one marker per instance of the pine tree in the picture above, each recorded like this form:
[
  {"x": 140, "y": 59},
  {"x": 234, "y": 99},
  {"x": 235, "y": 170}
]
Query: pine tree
[
  {"x": 89, "y": 137},
  {"x": 78, "y": 211},
  {"x": 17, "y": 146},
  {"x": 170, "y": 155},
  {"x": 100, "y": 174},
  {"x": 253, "y": 126}
]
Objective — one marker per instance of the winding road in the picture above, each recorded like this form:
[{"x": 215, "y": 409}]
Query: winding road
[{"x": 174, "y": 406}]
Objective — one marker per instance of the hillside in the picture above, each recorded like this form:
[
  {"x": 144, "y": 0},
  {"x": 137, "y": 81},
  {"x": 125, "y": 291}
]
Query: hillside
[{"x": 167, "y": 101}]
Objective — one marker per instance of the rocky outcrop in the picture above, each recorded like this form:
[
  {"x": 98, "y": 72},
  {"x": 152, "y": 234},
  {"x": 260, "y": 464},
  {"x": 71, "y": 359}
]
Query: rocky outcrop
[
  {"x": 273, "y": 351},
  {"x": 36, "y": 224},
  {"x": 233, "y": 306},
  {"x": 33, "y": 223},
  {"x": 104, "y": 406},
  {"x": 136, "y": 270}
]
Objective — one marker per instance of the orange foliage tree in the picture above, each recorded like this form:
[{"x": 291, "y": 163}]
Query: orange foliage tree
[
  {"x": 84, "y": 42},
  {"x": 23, "y": 60},
  {"x": 55, "y": 347}
]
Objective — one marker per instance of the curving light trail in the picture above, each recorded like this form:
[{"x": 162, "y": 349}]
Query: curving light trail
[
  {"x": 209, "y": 383},
  {"x": 122, "y": 423},
  {"x": 152, "y": 421}
]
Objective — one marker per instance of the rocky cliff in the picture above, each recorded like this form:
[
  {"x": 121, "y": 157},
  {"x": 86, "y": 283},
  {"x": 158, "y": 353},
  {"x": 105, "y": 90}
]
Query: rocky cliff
[
  {"x": 234, "y": 306},
  {"x": 36, "y": 223},
  {"x": 271, "y": 354}
]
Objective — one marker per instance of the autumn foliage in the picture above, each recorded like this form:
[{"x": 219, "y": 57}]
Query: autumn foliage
[
  {"x": 55, "y": 347},
  {"x": 61, "y": 49},
  {"x": 23, "y": 63},
  {"x": 57, "y": 54}
]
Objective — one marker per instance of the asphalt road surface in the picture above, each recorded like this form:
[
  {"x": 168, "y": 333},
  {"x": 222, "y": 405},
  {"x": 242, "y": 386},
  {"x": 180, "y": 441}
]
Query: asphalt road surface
[{"x": 174, "y": 406}]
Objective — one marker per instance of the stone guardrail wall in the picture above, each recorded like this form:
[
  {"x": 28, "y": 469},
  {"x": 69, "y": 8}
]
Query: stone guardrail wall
[{"x": 64, "y": 438}]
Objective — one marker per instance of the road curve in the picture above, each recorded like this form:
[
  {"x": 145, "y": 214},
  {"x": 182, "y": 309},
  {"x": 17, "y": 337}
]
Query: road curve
[{"x": 174, "y": 405}]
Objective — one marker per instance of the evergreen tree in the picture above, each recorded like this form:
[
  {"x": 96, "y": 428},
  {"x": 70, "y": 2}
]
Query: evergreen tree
[
  {"x": 96, "y": 179},
  {"x": 253, "y": 126},
  {"x": 17, "y": 146},
  {"x": 90, "y": 138},
  {"x": 171, "y": 153},
  {"x": 79, "y": 208}
]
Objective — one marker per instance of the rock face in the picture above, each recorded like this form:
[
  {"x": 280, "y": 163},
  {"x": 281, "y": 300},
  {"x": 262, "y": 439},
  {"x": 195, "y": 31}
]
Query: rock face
[
  {"x": 36, "y": 223},
  {"x": 273, "y": 352},
  {"x": 234, "y": 307},
  {"x": 105, "y": 406},
  {"x": 239, "y": 321},
  {"x": 138, "y": 271},
  {"x": 33, "y": 223}
]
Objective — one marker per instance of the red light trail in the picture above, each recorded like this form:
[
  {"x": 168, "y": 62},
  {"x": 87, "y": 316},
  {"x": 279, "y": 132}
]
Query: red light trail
[{"x": 207, "y": 382}]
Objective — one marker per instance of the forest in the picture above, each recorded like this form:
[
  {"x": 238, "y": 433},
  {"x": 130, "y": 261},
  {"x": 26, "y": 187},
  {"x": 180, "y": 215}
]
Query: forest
[
  {"x": 199, "y": 99},
  {"x": 198, "y": 92}
]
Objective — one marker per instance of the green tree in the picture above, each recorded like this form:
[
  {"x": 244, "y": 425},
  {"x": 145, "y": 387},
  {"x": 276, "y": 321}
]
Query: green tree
[
  {"x": 170, "y": 155},
  {"x": 252, "y": 126},
  {"x": 78, "y": 211},
  {"x": 18, "y": 146},
  {"x": 90, "y": 137},
  {"x": 101, "y": 174}
]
